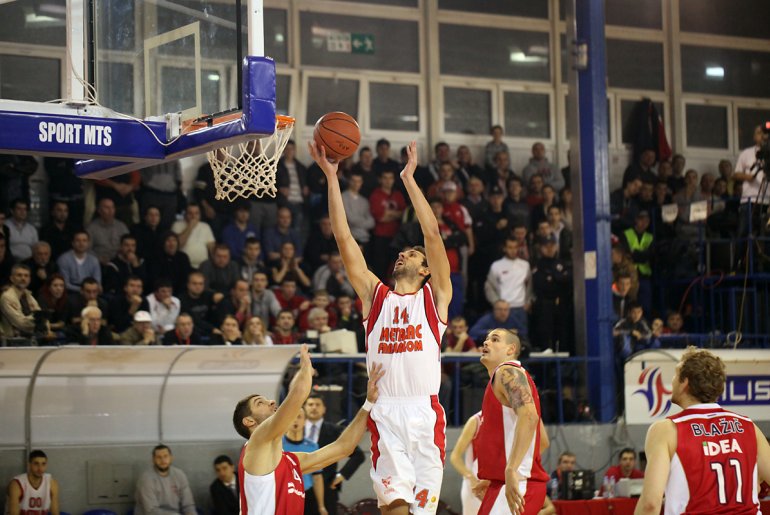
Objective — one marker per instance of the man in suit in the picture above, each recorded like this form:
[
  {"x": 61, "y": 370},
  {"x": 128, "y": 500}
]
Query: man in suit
[
  {"x": 224, "y": 490},
  {"x": 322, "y": 432}
]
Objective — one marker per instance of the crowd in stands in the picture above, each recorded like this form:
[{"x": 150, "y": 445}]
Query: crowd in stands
[{"x": 137, "y": 262}]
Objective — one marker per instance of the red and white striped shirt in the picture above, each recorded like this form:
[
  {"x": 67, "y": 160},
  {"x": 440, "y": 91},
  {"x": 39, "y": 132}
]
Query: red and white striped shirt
[{"x": 280, "y": 491}]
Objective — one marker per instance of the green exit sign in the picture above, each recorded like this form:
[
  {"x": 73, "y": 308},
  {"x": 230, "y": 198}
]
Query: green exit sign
[{"x": 362, "y": 43}]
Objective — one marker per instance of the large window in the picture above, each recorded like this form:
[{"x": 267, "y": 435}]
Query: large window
[
  {"x": 722, "y": 71},
  {"x": 529, "y": 9},
  {"x": 743, "y": 18},
  {"x": 282, "y": 93},
  {"x": 527, "y": 115},
  {"x": 394, "y": 107},
  {"x": 494, "y": 53},
  {"x": 748, "y": 119},
  {"x": 467, "y": 111},
  {"x": 35, "y": 79},
  {"x": 635, "y": 64},
  {"x": 326, "y": 95},
  {"x": 707, "y": 126},
  {"x": 336, "y": 41}
]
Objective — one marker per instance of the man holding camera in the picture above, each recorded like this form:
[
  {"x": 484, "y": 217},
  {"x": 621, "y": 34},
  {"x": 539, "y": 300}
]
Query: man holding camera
[
  {"x": 746, "y": 170},
  {"x": 18, "y": 306}
]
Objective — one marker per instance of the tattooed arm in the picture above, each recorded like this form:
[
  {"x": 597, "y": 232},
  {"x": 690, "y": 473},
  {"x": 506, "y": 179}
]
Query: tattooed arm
[{"x": 512, "y": 389}]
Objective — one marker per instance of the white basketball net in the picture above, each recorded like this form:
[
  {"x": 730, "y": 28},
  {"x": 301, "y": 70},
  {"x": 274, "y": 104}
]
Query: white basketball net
[{"x": 248, "y": 169}]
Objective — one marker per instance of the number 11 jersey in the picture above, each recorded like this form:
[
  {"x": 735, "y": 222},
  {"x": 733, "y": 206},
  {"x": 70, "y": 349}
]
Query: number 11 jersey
[{"x": 714, "y": 469}]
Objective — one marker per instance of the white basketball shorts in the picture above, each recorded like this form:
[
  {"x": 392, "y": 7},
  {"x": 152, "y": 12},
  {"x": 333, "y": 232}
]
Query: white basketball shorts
[{"x": 408, "y": 448}]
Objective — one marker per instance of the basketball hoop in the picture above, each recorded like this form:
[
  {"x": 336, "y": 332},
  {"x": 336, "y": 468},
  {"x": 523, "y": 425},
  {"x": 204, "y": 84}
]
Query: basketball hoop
[{"x": 248, "y": 169}]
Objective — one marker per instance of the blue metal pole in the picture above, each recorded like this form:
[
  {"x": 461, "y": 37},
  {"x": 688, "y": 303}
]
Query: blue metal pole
[{"x": 590, "y": 177}]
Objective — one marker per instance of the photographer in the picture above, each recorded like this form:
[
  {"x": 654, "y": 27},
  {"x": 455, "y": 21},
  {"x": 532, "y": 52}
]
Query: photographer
[{"x": 753, "y": 176}]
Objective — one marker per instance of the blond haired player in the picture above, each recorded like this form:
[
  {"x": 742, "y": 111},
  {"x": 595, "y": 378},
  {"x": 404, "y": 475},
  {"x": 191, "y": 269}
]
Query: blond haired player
[
  {"x": 705, "y": 459},
  {"x": 404, "y": 327}
]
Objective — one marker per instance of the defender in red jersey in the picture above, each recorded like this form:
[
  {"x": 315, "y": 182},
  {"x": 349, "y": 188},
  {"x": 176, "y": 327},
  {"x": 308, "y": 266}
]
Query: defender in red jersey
[
  {"x": 271, "y": 479},
  {"x": 705, "y": 459},
  {"x": 404, "y": 326},
  {"x": 511, "y": 436},
  {"x": 36, "y": 492}
]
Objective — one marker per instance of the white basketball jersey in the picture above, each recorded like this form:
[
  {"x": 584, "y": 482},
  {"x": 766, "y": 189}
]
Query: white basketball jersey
[
  {"x": 34, "y": 501},
  {"x": 403, "y": 333}
]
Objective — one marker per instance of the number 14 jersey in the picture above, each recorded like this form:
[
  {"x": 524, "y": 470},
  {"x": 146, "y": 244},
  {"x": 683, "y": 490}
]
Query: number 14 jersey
[
  {"x": 403, "y": 332},
  {"x": 714, "y": 469}
]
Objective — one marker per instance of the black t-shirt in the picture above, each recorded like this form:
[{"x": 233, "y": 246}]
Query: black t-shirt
[{"x": 201, "y": 310}]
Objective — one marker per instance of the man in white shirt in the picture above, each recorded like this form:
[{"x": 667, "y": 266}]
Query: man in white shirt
[
  {"x": 22, "y": 235},
  {"x": 195, "y": 236},
  {"x": 752, "y": 180},
  {"x": 356, "y": 205},
  {"x": 163, "y": 306},
  {"x": 510, "y": 279}
]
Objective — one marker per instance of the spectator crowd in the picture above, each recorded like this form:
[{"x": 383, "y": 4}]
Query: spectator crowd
[{"x": 137, "y": 262}]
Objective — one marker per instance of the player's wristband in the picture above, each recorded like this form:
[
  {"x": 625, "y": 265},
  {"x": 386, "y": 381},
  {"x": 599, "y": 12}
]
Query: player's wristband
[{"x": 367, "y": 405}]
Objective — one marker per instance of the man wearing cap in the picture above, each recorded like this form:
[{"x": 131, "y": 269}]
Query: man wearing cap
[
  {"x": 552, "y": 285},
  {"x": 140, "y": 332},
  {"x": 639, "y": 243},
  {"x": 489, "y": 232}
]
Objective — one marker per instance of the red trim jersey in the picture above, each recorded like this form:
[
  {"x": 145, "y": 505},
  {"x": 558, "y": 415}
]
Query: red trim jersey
[
  {"x": 714, "y": 469},
  {"x": 494, "y": 441},
  {"x": 403, "y": 333},
  {"x": 280, "y": 491},
  {"x": 34, "y": 501}
]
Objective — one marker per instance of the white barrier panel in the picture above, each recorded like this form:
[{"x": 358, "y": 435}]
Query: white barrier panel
[
  {"x": 648, "y": 378},
  {"x": 107, "y": 395}
]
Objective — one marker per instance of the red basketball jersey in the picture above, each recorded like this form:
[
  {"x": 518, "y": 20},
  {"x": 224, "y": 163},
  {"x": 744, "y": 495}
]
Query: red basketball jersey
[
  {"x": 494, "y": 441},
  {"x": 714, "y": 469},
  {"x": 280, "y": 491}
]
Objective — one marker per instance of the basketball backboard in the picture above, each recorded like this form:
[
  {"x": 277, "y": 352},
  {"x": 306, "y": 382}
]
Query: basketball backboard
[{"x": 152, "y": 67}]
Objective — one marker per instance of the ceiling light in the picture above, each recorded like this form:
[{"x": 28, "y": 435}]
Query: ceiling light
[{"x": 716, "y": 72}]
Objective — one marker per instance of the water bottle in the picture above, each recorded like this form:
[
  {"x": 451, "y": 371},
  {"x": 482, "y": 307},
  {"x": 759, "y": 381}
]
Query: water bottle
[
  {"x": 612, "y": 487},
  {"x": 553, "y": 488},
  {"x": 606, "y": 487}
]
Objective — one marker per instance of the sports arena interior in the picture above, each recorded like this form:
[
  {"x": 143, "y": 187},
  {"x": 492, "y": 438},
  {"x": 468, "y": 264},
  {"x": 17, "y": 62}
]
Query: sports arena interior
[{"x": 596, "y": 169}]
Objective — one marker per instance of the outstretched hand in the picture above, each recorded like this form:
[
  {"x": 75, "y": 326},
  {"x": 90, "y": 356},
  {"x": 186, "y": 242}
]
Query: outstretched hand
[
  {"x": 304, "y": 358},
  {"x": 411, "y": 163},
  {"x": 372, "y": 392},
  {"x": 319, "y": 156}
]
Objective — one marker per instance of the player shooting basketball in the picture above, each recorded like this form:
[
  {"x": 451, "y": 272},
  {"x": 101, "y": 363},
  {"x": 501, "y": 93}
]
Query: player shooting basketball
[{"x": 404, "y": 327}]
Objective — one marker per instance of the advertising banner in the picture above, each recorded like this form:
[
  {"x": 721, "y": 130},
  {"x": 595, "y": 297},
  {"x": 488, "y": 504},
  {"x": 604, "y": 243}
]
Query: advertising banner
[{"x": 648, "y": 378}]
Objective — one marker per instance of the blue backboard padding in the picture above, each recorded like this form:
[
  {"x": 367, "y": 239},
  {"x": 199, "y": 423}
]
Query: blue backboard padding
[
  {"x": 77, "y": 136},
  {"x": 258, "y": 119}
]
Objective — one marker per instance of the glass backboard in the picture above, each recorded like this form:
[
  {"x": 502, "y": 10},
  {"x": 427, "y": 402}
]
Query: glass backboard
[{"x": 152, "y": 57}]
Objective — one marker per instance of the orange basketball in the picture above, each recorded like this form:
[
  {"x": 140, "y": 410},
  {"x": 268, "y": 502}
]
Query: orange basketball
[{"x": 338, "y": 133}]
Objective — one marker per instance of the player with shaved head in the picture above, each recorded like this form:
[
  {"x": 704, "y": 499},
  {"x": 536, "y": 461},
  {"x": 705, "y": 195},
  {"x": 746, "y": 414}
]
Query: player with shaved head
[
  {"x": 513, "y": 481},
  {"x": 404, "y": 326}
]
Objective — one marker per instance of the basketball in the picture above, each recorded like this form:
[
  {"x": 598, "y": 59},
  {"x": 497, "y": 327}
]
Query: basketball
[{"x": 338, "y": 133}]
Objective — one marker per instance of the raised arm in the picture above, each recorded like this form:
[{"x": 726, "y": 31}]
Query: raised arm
[
  {"x": 361, "y": 278},
  {"x": 348, "y": 440},
  {"x": 659, "y": 447},
  {"x": 511, "y": 384},
  {"x": 277, "y": 425},
  {"x": 434, "y": 244}
]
